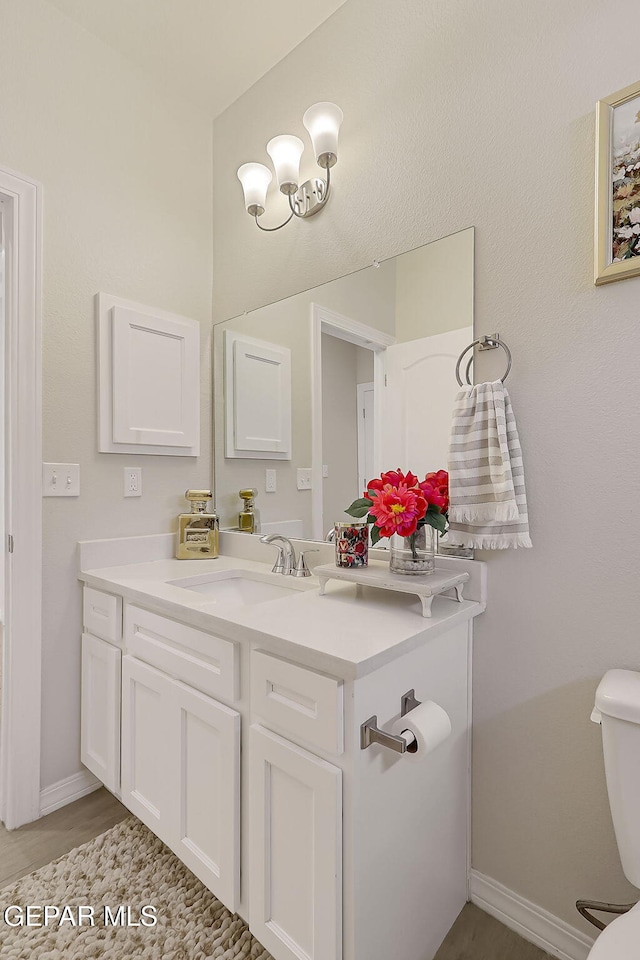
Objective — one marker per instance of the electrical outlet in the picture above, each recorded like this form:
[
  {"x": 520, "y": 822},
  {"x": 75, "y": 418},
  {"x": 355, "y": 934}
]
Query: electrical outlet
[
  {"x": 133, "y": 481},
  {"x": 304, "y": 478},
  {"x": 60, "y": 479},
  {"x": 269, "y": 481}
]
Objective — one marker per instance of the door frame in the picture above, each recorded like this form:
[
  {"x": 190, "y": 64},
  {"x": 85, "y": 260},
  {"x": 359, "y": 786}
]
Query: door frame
[
  {"x": 361, "y": 389},
  {"x": 20, "y": 731},
  {"x": 324, "y": 320}
]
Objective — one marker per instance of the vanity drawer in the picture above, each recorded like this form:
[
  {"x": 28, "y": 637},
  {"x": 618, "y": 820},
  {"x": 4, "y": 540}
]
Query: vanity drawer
[
  {"x": 300, "y": 703},
  {"x": 204, "y": 661},
  {"x": 102, "y": 614}
]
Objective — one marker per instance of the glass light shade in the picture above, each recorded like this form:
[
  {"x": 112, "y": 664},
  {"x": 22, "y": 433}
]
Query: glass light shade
[
  {"x": 285, "y": 152},
  {"x": 323, "y": 120},
  {"x": 255, "y": 179}
]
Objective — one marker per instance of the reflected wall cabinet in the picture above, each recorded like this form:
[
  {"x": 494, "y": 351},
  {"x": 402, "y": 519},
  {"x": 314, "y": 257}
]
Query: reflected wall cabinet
[
  {"x": 148, "y": 380},
  {"x": 257, "y": 398}
]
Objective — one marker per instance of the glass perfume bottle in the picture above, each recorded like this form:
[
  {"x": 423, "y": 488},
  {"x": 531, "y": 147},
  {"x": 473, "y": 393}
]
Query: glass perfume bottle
[
  {"x": 249, "y": 516},
  {"x": 198, "y": 531}
]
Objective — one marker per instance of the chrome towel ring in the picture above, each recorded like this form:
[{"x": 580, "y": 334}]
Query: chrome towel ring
[{"x": 491, "y": 342}]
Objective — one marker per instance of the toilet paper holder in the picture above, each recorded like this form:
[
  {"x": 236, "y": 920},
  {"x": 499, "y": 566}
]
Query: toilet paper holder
[{"x": 371, "y": 733}]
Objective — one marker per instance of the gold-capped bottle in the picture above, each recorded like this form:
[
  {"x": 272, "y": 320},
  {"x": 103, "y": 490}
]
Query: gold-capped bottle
[
  {"x": 249, "y": 516},
  {"x": 198, "y": 531}
]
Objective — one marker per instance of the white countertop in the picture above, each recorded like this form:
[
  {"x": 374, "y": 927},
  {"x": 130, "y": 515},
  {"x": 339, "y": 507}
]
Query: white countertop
[{"x": 341, "y": 633}]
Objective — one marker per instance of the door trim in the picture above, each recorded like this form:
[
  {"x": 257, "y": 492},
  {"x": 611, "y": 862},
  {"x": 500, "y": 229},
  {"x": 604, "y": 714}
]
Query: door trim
[
  {"x": 22, "y": 648},
  {"x": 361, "y": 389},
  {"x": 337, "y": 325}
]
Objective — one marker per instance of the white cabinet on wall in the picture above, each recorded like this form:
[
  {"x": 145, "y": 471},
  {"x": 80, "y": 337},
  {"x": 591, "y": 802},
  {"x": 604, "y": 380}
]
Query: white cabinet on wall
[{"x": 149, "y": 380}]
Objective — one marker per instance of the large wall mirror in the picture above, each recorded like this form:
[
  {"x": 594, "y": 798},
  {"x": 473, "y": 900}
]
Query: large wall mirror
[{"x": 316, "y": 394}]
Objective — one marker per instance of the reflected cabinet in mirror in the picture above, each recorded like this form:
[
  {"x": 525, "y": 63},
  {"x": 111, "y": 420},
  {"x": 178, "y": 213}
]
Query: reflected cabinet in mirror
[{"x": 318, "y": 393}]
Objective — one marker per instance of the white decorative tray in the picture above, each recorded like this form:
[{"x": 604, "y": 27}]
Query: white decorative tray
[{"x": 377, "y": 574}]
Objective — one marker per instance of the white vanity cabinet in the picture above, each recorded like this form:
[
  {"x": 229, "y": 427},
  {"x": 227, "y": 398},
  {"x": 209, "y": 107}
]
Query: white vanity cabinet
[
  {"x": 100, "y": 702},
  {"x": 249, "y": 765},
  {"x": 295, "y": 831},
  {"x": 181, "y": 772},
  {"x": 181, "y": 745},
  {"x": 295, "y": 814},
  {"x": 100, "y": 708},
  {"x": 154, "y": 734}
]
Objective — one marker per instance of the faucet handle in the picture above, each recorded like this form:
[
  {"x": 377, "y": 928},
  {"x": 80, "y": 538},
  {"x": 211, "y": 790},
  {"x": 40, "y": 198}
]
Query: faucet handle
[{"x": 302, "y": 570}]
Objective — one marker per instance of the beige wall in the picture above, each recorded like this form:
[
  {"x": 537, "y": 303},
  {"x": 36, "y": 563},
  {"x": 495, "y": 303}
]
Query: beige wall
[
  {"x": 462, "y": 113},
  {"x": 126, "y": 178},
  {"x": 434, "y": 288}
]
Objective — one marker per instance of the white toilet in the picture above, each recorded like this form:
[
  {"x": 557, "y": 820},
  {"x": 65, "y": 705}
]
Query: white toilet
[{"x": 617, "y": 708}]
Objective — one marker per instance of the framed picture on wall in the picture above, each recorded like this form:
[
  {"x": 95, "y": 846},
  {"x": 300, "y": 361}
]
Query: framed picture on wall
[{"x": 617, "y": 236}]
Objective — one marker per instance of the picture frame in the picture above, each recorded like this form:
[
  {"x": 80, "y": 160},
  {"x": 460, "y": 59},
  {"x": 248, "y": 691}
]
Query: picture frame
[{"x": 617, "y": 220}]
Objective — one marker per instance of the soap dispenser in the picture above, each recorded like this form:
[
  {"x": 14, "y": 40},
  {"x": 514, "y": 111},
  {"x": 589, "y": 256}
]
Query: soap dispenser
[
  {"x": 198, "y": 531},
  {"x": 249, "y": 516}
]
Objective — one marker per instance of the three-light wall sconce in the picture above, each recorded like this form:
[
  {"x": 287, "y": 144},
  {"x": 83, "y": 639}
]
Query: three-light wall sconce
[{"x": 322, "y": 121}]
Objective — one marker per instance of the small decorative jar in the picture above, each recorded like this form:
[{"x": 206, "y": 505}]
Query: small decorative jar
[
  {"x": 414, "y": 555},
  {"x": 352, "y": 544}
]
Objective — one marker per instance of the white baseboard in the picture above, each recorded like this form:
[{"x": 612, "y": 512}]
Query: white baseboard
[
  {"x": 530, "y": 921},
  {"x": 66, "y": 791}
]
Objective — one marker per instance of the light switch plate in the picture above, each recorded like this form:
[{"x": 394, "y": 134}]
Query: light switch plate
[
  {"x": 60, "y": 479},
  {"x": 325, "y": 470},
  {"x": 304, "y": 478},
  {"x": 269, "y": 481}
]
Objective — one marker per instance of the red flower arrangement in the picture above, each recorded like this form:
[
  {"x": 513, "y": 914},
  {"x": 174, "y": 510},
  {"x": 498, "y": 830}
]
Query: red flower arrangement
[{"x": 398, "y": 502}]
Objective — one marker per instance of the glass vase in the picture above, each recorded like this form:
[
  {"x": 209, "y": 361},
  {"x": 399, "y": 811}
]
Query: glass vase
[{"x": 414, "y": 555}]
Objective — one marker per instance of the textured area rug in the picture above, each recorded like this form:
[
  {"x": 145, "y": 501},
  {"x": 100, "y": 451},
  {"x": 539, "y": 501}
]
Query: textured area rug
[{"x": 116, "y": 879}]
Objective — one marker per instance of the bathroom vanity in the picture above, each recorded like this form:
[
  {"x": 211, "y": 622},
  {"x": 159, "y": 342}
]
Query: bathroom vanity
[{"x": 223, "y": 705}]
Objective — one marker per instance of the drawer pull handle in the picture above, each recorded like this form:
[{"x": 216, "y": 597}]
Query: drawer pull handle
[{"x": 292, "y": 699}]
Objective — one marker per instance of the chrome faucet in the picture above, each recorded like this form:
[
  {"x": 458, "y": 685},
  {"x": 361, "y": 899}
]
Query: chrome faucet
[{"x": 286, "y": 559}]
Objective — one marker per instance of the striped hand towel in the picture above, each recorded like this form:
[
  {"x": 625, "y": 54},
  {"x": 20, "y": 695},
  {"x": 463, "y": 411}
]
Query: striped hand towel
[{"x": 488, "y": 504}]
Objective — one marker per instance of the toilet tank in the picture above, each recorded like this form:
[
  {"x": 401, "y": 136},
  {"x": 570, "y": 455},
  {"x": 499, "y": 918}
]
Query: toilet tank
[{"x": 618, "y": 708}]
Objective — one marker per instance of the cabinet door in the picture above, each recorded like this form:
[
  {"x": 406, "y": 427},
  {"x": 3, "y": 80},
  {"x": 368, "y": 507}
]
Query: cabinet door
[
  {"x": 146, "y": 728},
  {"x": 100, "y": 723},
  {"x": 295, "y": 838},
  {"x": 205, "y": 782}
]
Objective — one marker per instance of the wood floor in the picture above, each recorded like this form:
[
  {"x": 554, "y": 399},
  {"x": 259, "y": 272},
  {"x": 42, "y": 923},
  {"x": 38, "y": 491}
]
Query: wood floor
[
  {"x": 477, "y": 936},
  {"x": 26, "y": 849},
  {"x": 474, "y": 936}
]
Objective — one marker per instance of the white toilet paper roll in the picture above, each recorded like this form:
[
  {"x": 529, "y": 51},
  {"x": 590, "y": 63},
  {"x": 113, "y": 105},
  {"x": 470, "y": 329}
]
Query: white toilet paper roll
[{"x": 429, "y": 724}]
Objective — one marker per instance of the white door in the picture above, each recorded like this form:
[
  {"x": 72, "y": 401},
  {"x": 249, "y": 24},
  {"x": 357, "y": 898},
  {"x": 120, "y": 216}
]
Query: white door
[
  {"x": 420, "y": 388},
  {"x": 366, "y": 413},
  {"x": 203, "y": 771},
  {"x": 146, "y": 728},
  {"x": 295, "y": 852},
  {"x": 100, "y": 723}
]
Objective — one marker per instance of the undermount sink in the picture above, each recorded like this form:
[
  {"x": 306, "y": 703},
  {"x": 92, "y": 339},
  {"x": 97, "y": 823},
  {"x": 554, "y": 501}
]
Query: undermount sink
[{"x": 237, "y": 587}]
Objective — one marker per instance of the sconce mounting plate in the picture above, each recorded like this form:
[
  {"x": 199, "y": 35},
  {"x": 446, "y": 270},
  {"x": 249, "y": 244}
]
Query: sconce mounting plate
[{"x": 310, "y": 198}]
